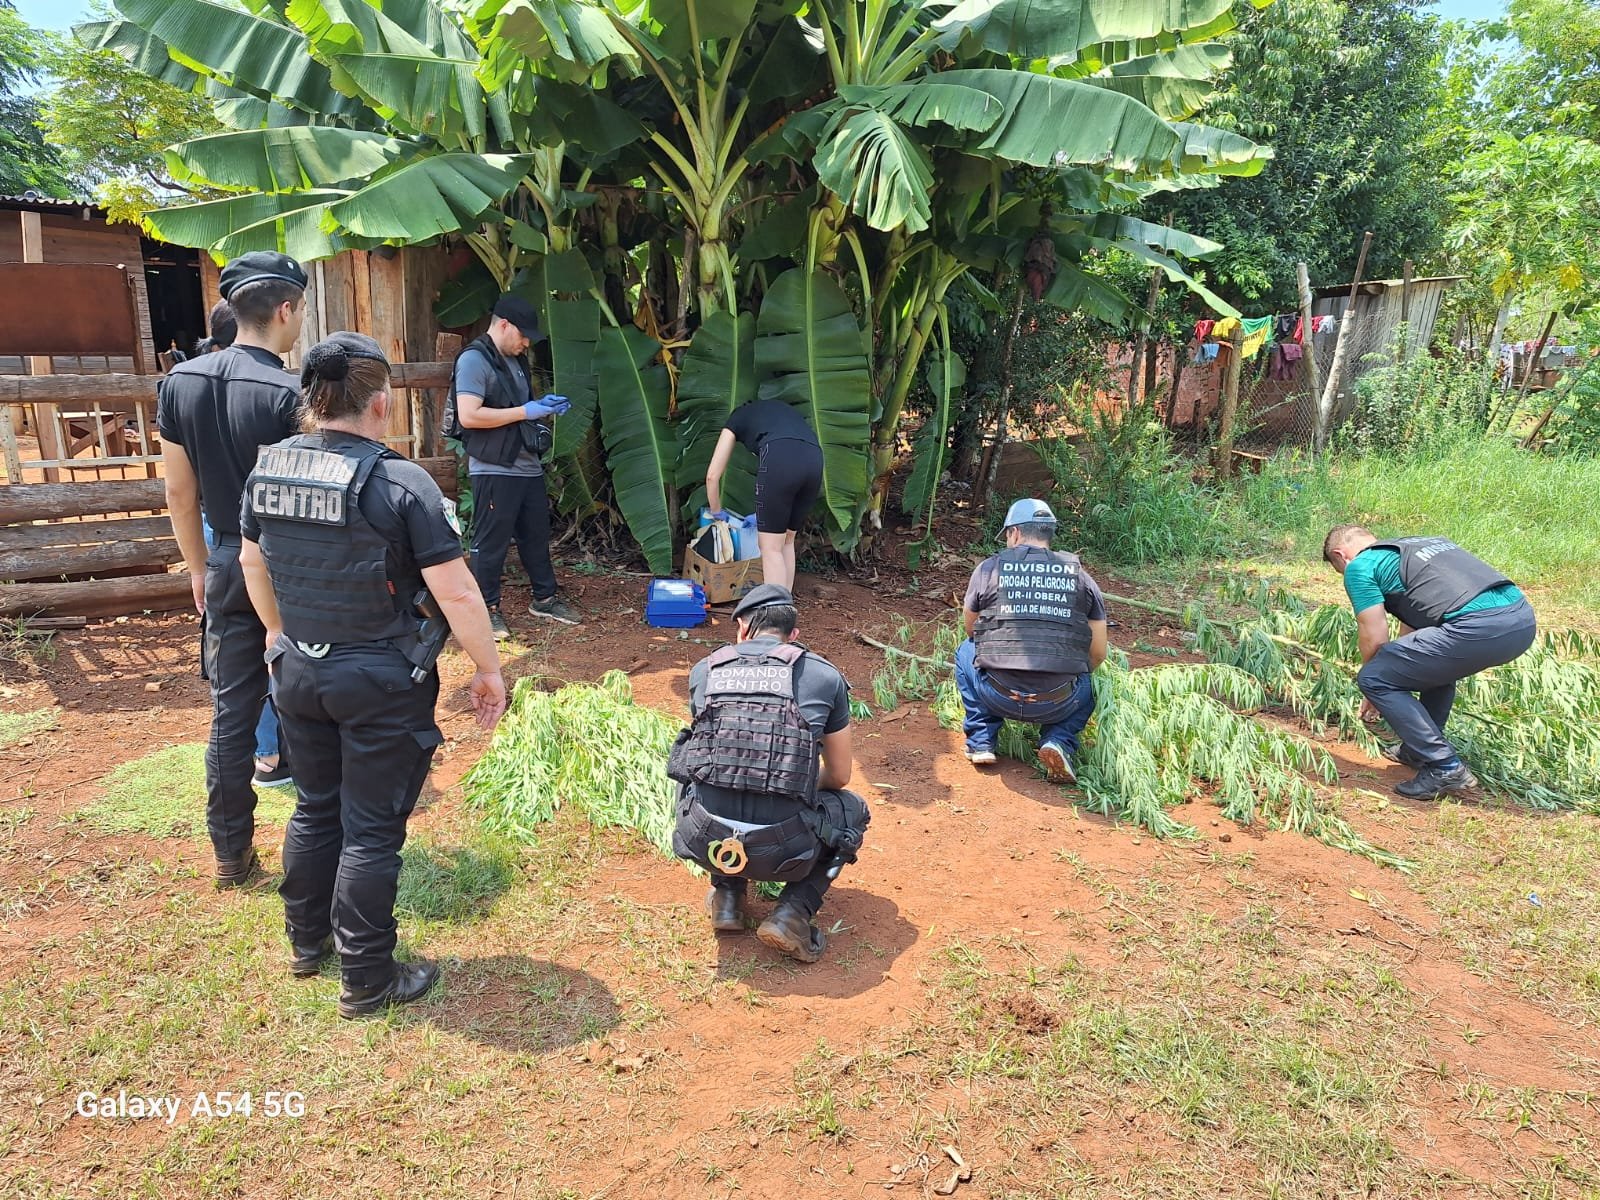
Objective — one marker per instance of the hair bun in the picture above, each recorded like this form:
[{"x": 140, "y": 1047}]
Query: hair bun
[{"x": 328, "y": 360}]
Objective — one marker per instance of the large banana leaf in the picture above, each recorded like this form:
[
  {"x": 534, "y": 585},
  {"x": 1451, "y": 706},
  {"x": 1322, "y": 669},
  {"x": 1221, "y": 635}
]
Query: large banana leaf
[
  {"x": 946, "y": 375},
  {"x": 571, "y": 40},
  {"x": 812, "y": 354},
  {"x": 711, "y": 20},
  {"x": 1177, "y": 274},
  {"x": 1074, "y": 289},
  {"x": 1113, "y": 226},
  {"x": 926, "y": 101},
  {"x": 1060, "y": 28},
  {"x": 641, "y": 444},
  {"x": 427, "y": 88},
  {"x": 245, "y": 50},
  {"x": 290, "y": 222},
  {"x": 717, "y": 375},
  {"x": 1047, "y": 122},
  {"x": 430, "y": 196},
  {"x": 1206, "y": 150},
  {"x": 871, "y": 163},
  {"x": 145, "y": 54},
  {"x": 283, "y": 160},
  {"x": 1173, "y": 84}
]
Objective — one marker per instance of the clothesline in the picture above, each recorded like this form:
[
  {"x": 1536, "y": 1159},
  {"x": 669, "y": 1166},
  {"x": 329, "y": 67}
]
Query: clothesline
[{"x": 1283, "y": 331}]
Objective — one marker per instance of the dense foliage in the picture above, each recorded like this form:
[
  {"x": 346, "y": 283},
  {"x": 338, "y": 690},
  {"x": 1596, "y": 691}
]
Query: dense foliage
[{"x": 27, "y": 162}]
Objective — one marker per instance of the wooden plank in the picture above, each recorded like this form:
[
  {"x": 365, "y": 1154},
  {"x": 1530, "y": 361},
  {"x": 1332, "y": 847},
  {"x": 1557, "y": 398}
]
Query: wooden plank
[
  {"x": 361, "y": 286},
  {"x": 210, "y": 282},
  {"x": 56, "y": 561},
  {"x": 386, "y": 276},
  {"x": 46, "y": 501},
  {"x": 98, "y": 597},
  {"x": 45, "y": 423},
  {"x": 120, "y": 389},
  {"x": 338, "y": 295},
  {"x": 82, "y": 533},
  {"x": 443, "y": 469}
]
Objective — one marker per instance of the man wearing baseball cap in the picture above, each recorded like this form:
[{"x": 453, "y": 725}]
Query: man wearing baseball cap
[
  {"x": 763, "y": 770},
  {"x": 214, "y": 413},
  {"x": 505, "y": 430},
  {"x": 1036, "y": 628}
]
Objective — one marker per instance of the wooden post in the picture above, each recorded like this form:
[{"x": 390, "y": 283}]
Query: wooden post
[
  {"x": 1341, "y": 346},
  {"x": 1308, "y": 339},
  {"x": 1405, "y": 308},
  {"x": 1230, "y": 401},
  {"x": 51, "y": 444}
]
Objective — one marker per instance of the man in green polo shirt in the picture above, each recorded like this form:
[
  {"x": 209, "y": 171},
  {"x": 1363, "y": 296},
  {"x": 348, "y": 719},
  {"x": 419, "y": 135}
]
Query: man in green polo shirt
[{"x": 1458, "y": 616}]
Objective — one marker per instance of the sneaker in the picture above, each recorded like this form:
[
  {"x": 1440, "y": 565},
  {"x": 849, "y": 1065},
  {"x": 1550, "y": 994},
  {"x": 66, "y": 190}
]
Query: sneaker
[
  {"x": 278, "y": 776},
  {"x": 1433, "y": 782},
  {"x": 1057, "y": 764},
  {"x": 555, "y": 609},
  {"x": 1401, "y": 753},
  {"x": 981, "y": 758},
  {"x": 498, "y": 626}
]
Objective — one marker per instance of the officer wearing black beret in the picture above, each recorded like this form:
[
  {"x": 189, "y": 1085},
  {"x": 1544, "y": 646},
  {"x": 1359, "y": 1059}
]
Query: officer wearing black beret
[
  {"x": 214, "y": 413},
  {"x": 764, "y": 767},
  {"x": 340, "y": 536}
]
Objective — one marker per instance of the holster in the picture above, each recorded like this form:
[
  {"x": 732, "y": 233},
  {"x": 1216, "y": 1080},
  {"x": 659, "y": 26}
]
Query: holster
[{"x": 784, "y": 853}]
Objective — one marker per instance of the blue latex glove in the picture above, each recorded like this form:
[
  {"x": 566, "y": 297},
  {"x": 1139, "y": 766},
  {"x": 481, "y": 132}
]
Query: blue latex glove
[
  {"x": 548, "y": 406},
  {"x": 721, "y": 515}
]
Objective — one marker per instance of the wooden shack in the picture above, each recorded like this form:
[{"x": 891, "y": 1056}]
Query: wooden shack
[{"x": 81, "y": 530}]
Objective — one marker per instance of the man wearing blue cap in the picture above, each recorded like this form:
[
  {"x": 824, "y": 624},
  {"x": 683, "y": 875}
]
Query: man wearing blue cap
[
  {"x": 1036, "y": 629},
  {"x": 215, "y": 412}
]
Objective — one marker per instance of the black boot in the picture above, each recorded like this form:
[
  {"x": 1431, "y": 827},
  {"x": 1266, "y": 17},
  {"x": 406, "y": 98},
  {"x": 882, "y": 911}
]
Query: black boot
[
  {"x": 789, "y": 931},
  {"x": 1433, "y": 782},
  {"x": 306, "y": 961},
  {"x": 236, "y": 872},
  {"x": 725, "y": 907},
  {"x": 410, "y": 981}
]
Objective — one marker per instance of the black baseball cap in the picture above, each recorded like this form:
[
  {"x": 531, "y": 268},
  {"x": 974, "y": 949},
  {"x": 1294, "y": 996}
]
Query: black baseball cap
[
  {"x": 256, "y": 266},
  {"x": 520, "y": 313},
  {"x": 763, "y": 595}
]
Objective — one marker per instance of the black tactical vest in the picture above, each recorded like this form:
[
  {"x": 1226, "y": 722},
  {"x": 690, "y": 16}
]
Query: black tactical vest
[
  {"x": 503, "y": 444},
  {"x": 1037, "y": 622},
  {"x": 1439, "y": 577},
  {"x": 329, "y": 566},
  {"x": 750, "y": 735}
]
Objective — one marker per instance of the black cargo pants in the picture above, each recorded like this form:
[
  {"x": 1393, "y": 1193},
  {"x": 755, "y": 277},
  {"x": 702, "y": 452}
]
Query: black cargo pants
[
  {"x": 363, "y": 735},
  {"x": 234, "y": 643}
]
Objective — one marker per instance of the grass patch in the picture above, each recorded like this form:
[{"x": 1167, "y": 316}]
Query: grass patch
[
  {"x": 163, "y": 795},
  {"x": 454, "y": 883},
  {"x": 16, "y": 726}
]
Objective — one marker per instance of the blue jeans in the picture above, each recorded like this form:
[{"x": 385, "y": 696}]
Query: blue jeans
[
  {"x": 987, "y": 708},
  {"x": 267, "y": 727}
]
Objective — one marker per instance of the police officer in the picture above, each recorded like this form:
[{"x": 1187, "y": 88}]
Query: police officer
[
  {"x": 503, "y": 429},
  {"x": 1458, "y": 616},
  {"x": 1036, "y": 629},
  {"x": 340, "y": 536},
  {"x": 214, "y": 412},
  {"x": 763, "y": 768}
]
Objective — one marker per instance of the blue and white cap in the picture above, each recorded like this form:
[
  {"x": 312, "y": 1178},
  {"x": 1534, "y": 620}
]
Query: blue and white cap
[{"x": 1029, "y": 512}]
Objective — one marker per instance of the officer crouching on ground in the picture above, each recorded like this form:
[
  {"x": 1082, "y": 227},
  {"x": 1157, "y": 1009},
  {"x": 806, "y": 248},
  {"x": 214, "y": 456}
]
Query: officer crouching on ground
[
  {"x": 1458, "y": 616},
  {"x": 340, "y": 537},
  {"x": 1036, "y": 628},
  {"x": 755, "y": 801}
]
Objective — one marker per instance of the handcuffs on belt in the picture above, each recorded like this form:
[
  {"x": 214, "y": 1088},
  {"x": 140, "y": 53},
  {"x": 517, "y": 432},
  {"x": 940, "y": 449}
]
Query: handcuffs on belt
[{"x": 727, "y": 856}]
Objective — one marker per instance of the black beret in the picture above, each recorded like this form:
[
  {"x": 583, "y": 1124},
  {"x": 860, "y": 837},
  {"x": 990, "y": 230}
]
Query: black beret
[
  {"x": 256, "y": 266},
  {"x": 763, "y": 595}
]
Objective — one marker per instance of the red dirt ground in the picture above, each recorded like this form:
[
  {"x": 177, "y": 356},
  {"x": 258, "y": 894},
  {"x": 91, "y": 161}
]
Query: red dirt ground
[{"x": 953, "y": 854}]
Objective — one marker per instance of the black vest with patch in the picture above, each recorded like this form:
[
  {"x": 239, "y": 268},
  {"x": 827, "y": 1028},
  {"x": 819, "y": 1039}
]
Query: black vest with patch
[
  {"x": 1037, "y": 622},
  {"x": 330, "y": 568},
  {"x": 504, "y": 443},
  {"x": 750, "y": 735},
  {"x": 1439, "y": 577}
]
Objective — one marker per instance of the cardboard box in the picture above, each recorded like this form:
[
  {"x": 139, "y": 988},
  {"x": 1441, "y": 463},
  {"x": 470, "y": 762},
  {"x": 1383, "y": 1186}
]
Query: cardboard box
[{"x": 723, "y": 582}]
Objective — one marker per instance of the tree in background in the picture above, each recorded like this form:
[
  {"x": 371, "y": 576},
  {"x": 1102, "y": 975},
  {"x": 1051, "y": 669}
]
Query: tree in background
[
  {"x": 1553, "y": 78},
  {"x": 113, "y": 124},
  {"x": 1344, "y": 93},
  {"x": 26, "y": 162}
]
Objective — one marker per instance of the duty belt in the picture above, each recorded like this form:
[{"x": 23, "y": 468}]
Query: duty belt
[{"x": 1050, "y": 697}]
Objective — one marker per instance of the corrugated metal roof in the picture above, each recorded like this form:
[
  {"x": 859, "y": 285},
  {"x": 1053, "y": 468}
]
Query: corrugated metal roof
[
  {"x": 39, "y": 203},
  {"x": 1374, "y": 286}
]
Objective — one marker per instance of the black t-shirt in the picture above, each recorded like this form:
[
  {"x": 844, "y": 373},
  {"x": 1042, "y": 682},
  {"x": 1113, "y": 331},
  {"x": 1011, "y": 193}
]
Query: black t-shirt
[
  {"x": 222, "y": 408},
  {"x": 762, "y": 421},
  {"x": 983, "y": 591},
  {"x": 403, "y": 504},
  {"x": 824, "y": 700}
]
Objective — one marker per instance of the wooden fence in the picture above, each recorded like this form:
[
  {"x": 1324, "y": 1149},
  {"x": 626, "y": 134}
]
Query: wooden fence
[{"x": 99, "y": 546}]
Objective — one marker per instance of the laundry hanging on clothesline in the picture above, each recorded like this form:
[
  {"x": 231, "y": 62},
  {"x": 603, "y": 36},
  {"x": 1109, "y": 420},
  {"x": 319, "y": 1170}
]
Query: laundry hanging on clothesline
[{"x": 1255, "y": 330}]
